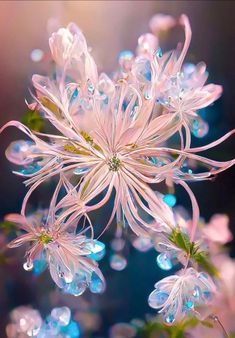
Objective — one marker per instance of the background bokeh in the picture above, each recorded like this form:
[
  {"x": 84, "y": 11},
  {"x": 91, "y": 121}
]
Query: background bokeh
[{"x": 110, "y": 26}]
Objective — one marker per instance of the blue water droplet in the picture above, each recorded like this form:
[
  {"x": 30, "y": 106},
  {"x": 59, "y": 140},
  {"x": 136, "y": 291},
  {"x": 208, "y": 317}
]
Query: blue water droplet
[
  {"x": 189, "y": 304},
  {"x": 207, "y": 295},
  {"x": 164, "y": 262},
  {"x": 80, "y": 171},
  {"x": 159, "y": 53},
  {"x": 30, "y": 169},
  {"x": 157, "y": 298},
  {"x": 98, "y": 250},
  {"x": 125, "y": 55},
  {"x": 118, "y": 262},
  {"x": 197, "y": 292},
  {"x": 72, "y": 330},
  {"x": 170, "y": 319},
  {"x": 199, "y": 128},
  {"x": 170, "y": 200},
  {"x": 97, "y": 285}
]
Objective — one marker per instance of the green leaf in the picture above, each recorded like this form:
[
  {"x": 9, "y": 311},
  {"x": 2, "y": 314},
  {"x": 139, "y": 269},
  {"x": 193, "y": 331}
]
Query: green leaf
[
  {"x": 203, "y": 259},
  {"x": 181, "y": 240},
  {"x": 33, "y": 120}
]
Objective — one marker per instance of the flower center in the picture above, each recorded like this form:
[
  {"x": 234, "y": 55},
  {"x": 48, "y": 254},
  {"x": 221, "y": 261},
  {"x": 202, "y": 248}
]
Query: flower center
[
  {"x": 45, "y": 238},
  {"x": 114, "y": 163}
]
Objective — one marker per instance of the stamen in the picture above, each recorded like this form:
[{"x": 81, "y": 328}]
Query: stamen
[{"x": 114, "y": 163}]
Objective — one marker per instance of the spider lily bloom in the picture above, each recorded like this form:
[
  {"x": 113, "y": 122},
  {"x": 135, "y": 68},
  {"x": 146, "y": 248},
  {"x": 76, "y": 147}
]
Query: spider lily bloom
[
  {"x": 66, "y": 254},
  {"x": 179, "y": 295}
]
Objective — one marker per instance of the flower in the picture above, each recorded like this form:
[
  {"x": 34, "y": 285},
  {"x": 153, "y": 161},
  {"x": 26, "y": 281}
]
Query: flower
[
  {"x": 114, "y": 133},
  {"x": 66, "y": 253},
  {"x": 24, "y": 320},
  {"x": 177, "y": 296},
  {"x": 217, "y": 229}
]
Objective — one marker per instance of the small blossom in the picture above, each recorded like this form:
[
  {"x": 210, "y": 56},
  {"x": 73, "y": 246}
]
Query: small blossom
[
  {"x": 66, "y": 254},
  {"x": 179, "y": 295}
]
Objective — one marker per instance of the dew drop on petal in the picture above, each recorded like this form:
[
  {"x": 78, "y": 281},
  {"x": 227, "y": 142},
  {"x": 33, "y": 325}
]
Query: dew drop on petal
[
  {"x": 97, "y": 285},
  {"x": 72, "y": 330},
  {"x": 62, "y": 314},
  {"x": 118, "y": 262},
  {"x": 125, "y": 59},
  {"x": 164, "y": 262},
  {"x": 170, "y": 319},
  {"x": 157, "y": 298},
  {"x": 189, "y": 304},
  {"x": 159, "y": 53},
  {"x": 170, "y": 200},
  {"x": 80, "y": 171},
  {"x": 28, "y": 266},
  {"x": 98, "y": 250}
]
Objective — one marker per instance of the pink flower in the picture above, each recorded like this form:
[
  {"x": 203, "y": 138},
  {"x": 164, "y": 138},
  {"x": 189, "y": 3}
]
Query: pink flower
[
  {"x": 217, "y": 230},
  {"x": 65, "y": 253}
]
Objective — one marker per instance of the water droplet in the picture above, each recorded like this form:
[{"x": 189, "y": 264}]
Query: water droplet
[
  {"x": 142, "y": 244},
  {"x": 125, "y": 59},
  {"x": 159, "y": 53},
  {"x": 97, "y": 285},
  {"x": 72, "y": 330},
  {"x": 28, "y": 266},
  {"x": 207, "y": 295},
  {"x": 75, "y": 94},
  {"x": 80, "y": 171},
  {"x": 30, "y": 169},
  {"x": 189, "y": 304},
  {"x": 157, "y": 298},
  {"x": 68, "y": 276},
  {"x": 147, "y": 95},
  {"x": 36, "y": 55},
  {"x": 62, "y": 314},
  {"x": 98, "y": 250},
  {"x": 118, "y": 262},
  {"x": 170, "y": 319},
  {"x": 170, "y": 200},
  {"x": 164, "y": 262},
  {"x": 199, "y": 128},
  {"x": 197, "y": 292}
]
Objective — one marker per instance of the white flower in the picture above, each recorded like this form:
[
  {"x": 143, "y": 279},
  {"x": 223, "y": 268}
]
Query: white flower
[
  {"x": 178, "y": 295},
  {"x": 67, "y": 43}
]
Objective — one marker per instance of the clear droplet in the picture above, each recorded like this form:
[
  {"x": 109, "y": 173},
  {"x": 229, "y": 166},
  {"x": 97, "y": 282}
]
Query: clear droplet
[
  {"x": 157, "y": 298},
  {"x": 189, "y": 304},
  {"x": 199, "y": 128},
  {"x": 170, "y": 319},
  {"x": 98, "y": 250},
  {"x": 36, "y": 55},
  {"x": 28, "y": 266},
  {"x": 159, "y": 53},
  {"x": 142, "y": 244},
  {"x": 97, "y": 285},
  {"x": 118, "y": 262},
  {"x": 62, "y": 314},
  {"x": 164, "y": 262},
  {"x": 80, "y": 171},
  {"x": 125, "y": 59}
]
